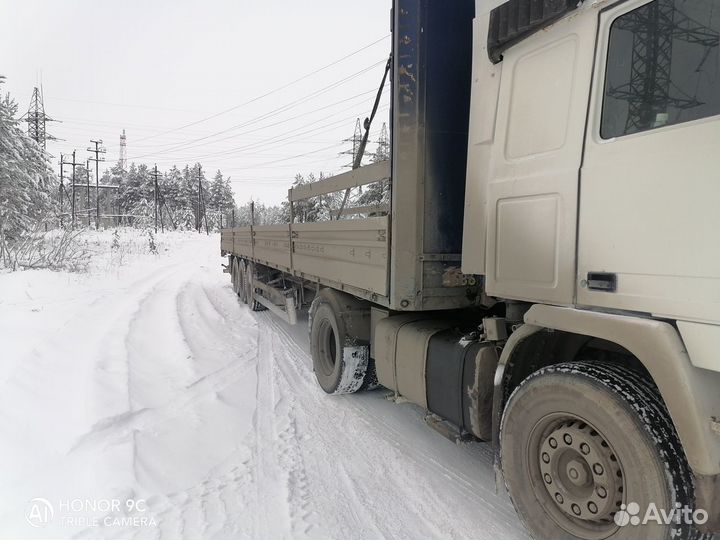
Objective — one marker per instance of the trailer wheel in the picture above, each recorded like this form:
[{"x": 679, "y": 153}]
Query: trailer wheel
[
  {"x": 238, "y": 278},
  {"x": 586, "y": 448},
  {"x": 340, "y": 360},
  {"x": 234, "y": 275},
  {"x": 242, "y": 293},
  {"x": 250, "y": 290}
]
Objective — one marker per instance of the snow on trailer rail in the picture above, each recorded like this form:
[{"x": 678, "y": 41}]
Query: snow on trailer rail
[{"x": 271, "y": 265}]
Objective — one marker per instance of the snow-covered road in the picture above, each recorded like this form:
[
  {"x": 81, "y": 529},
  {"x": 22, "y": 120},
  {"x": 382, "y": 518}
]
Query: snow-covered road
[{"x": 154, "y": 388}]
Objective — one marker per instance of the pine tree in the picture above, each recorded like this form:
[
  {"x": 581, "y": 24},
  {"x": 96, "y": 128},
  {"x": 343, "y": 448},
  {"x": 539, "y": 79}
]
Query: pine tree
[
  {"x": 178, "y": 195},
  {"x": 220, "y": 202},
  {"x": 171, "y": 192},
  {"x": 136, "y": 193},
  {"x": 26, "y": 181},
  {"x": 216, "y": 199},
  {"x": 186, "y": 201}
]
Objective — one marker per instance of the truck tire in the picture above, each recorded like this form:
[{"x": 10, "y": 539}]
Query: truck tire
[
  {"x": 250, "y": 291},
  {"x": 233, "y": 274},
  {"x": 238, "y": 277},
  {"x": 585, "y": 449},
  {"x": 340, "y": 360}
]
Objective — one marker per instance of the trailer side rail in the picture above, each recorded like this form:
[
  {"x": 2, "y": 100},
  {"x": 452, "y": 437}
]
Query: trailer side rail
[{"x": 347, "y": 254}]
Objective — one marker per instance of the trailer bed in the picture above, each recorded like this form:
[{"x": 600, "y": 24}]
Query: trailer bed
[{"x": 348, "y": 255}]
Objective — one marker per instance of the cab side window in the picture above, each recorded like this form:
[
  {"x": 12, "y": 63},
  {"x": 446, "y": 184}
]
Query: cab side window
[{"x": 663, "y": 66}]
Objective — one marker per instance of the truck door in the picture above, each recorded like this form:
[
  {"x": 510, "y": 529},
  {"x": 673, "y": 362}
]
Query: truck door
[
  {"x": 650, "y": 183},
  {"x": 535, "y": 162}
]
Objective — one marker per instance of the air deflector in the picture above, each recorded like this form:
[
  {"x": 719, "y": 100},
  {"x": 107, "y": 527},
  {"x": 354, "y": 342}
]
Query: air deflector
[{"x": 515, "y": 20}]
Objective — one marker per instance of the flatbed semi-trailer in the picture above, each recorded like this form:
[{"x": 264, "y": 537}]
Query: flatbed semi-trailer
[{"x": 546, "y": 275}]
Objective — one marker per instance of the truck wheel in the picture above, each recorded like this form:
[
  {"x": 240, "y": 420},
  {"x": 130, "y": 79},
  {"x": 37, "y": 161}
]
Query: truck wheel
[
  {"x": 340, "y": 361},
  {"x": 241, "y": 292},
  {"x": 250, "y": 291},
  {"x": 586, "y": 448},
  {"x": 236, "y": 274},
  {"x": 233, "y": 274}
]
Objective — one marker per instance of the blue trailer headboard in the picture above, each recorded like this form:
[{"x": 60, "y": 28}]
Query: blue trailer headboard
[{"x": 432, "y": 71}]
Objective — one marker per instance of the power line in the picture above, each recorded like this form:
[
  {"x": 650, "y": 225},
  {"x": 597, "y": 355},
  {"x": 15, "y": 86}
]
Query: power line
[
  {"x": 277, "y": 140},
  {"x": 331, "y": 125},
  {"x": 258, "y": 143},
  {"x": 273, "y": 91},
  {"x": 254, "y": 130},
  {"x": 269, "y": 114},
  {"x": 282, "y": 137},
  {"x": 261, "y": 165},
  {"x": 126, "y": 105}
]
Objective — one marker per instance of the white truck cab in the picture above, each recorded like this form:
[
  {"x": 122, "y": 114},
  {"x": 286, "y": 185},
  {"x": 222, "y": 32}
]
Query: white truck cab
[{"x": 594, "y": 172}]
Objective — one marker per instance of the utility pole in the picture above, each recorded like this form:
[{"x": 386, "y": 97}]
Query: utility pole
[
  {"x": 97, "y": 159},
  {"x": 199, "y": 198},
  {"x": 123, "y": 151},
  {"x": 357, "y": 161},
  {"x": 652, "y": 52},
  {"x": 73, "y": 164},
  {"x": 87, "y": 193},
  {"x": 355, "y": 140},
  {"x": 118, "y": 203},
  {"x": 383, "y": 145},
  {"x": 201, "y": 204},
  {"x": 204, "y": 213},
  {"x": 62, "y": 186},
  {"x": 163, "y": 204},
  {"x": 36, "y": 119},
  {"x": 155, "y": 174}
]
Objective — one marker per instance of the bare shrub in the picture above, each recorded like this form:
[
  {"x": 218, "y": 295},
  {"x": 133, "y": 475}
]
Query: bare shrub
[
  {"x": 119, "y": 250},
  {"x": 152, "y": 245},
  {"x": 62, "y": 249}
]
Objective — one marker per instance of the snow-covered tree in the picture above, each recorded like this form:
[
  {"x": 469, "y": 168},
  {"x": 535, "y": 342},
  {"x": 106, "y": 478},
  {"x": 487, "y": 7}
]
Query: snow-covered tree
[
  {"x": 375, "y": 193},
  {"x": 136, "y": 192},
  {"x": 221, "y": 201},
  {"x": 217, "y": 192},
  {"x": 170, "y": 186},
  {"x": 27, "y": 184},
  {"x": 320, "y": 208},
  {"x": 177, "y": 196}
]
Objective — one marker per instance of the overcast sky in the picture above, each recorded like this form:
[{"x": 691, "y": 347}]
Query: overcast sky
[{"x": 155, "y": 66}]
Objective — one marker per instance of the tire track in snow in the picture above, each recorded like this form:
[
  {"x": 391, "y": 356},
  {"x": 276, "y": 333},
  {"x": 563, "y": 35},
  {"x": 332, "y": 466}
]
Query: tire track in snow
[
  {"x": 377, "y": 431},
  {"x": 342, "y": 446},
  {"x": 267, "y": 476},
  {"x": 290, "y": 457},
  {"x": 244, "y": 444},
  {"x": 119, "y": 426},
  {"x": 201, "y": 510}
]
